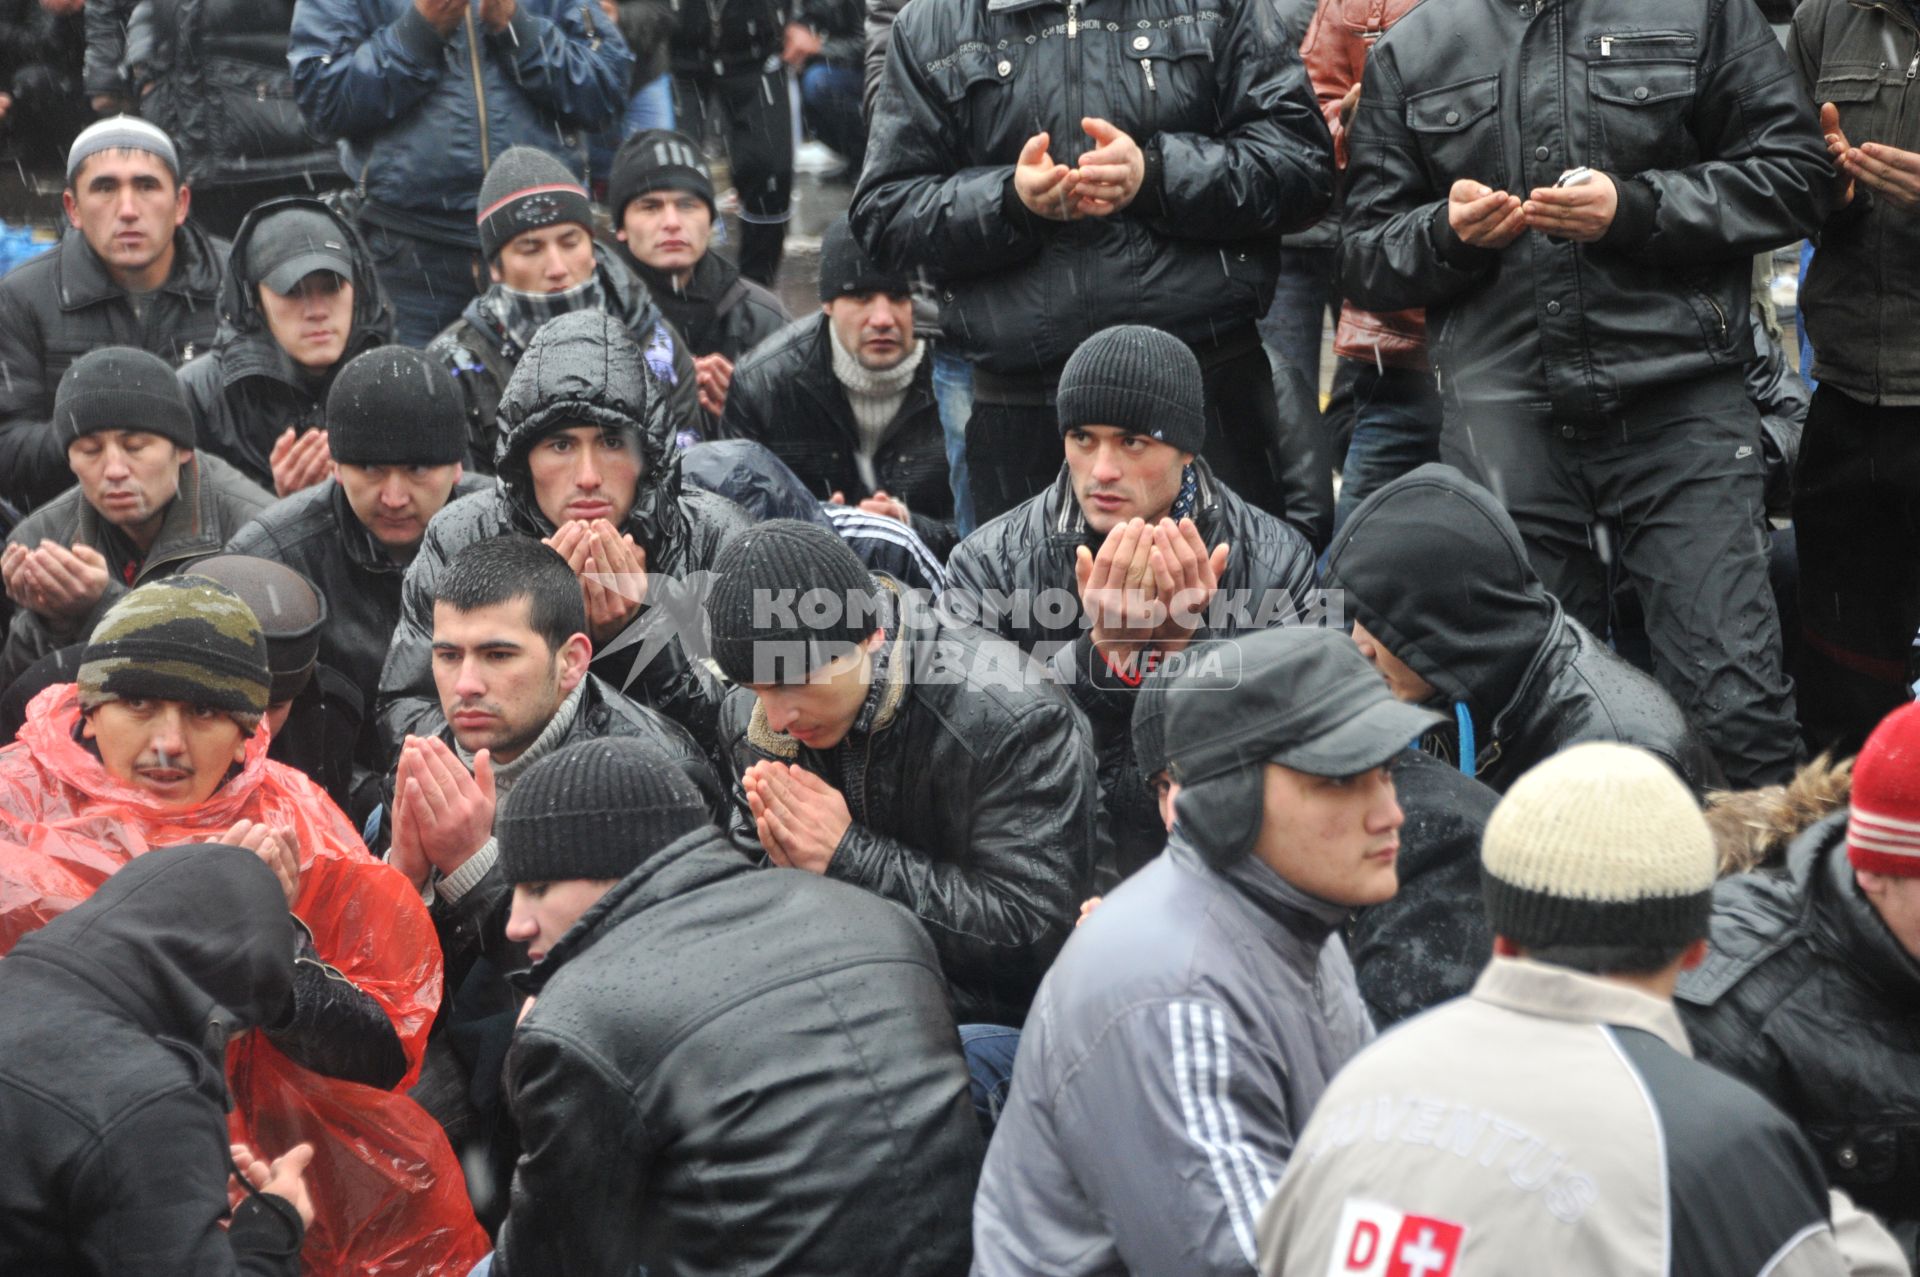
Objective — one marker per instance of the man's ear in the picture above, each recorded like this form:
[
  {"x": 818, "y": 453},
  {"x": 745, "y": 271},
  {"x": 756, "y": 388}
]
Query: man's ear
[
  {"x": 72, "y": 206},
  {"x": 1505, "y": 948},
  {"x": 1695, "y": 955},
  {"x": 874, "y": 641},
  {"x": 182, "y": 203},
  {"x": 86, "y": 726},
  {"x": 493, "y": 269},
  {"x": 576, "y": 654}
]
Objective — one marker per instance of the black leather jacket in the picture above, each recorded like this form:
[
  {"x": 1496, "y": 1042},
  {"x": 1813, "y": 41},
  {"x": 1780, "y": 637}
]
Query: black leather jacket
[
  {"x": 1213, "y": 92},
  {"x": 971, "y": 784},
  {"x": 733, "y": 1070},
  {"x": 1807, "y": 996},
  {"x": 785, "y": 395},
  {"x": 1690, "y": 106}
]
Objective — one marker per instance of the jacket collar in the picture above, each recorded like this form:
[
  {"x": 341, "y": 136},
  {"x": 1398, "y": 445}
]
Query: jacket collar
[
  {"x": 183, "y": 531},
  {"x": 1559, "y": 647},
  {"x": 1843, "y": 918},
  {"x": 1556, "y": 993},
  {"x": 1303, "y": 918},
  {"x": 84, "y": 280},
  {"x": 363, "y": 549}
]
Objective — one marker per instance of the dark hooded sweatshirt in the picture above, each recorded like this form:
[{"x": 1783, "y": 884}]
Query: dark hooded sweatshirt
[
  {"x": 1434, "y": 568},
  {"x": 114, "y": 1019},
  {"x": 246, "y": 391}
]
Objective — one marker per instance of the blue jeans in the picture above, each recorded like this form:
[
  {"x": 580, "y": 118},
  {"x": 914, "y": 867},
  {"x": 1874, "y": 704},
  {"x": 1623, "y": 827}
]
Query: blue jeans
[
  {"x": 1800, "y": 318},
  {"x": 830, "y": 104},
  {"x": 429, "y": 283},
  {"x": 989, "y": 1049},
  {"x": 1396, "y": 427},
  {"x": 953, "y": 395},
  {"x": 1291, "y": 327}
]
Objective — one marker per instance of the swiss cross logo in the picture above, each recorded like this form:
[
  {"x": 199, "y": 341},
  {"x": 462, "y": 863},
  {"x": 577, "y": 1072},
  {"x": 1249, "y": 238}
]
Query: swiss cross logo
[{"x": 1379, "y": 1241}]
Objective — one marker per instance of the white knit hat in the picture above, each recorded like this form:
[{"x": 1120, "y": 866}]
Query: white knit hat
[{"x": 1599, "y": 845}]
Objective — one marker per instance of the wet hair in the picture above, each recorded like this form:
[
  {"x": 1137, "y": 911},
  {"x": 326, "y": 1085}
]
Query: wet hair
[
  {"x": 504, "y": 568},
  {"x": 1609, "y": 959}
]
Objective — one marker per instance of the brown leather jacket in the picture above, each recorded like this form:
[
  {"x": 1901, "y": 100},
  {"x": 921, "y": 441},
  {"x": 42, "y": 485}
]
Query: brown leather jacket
[{"x": 1335, "y": 51}]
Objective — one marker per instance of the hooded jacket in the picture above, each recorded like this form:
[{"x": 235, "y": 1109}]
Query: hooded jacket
[
  {"x": 1435, "y": 569},
  {"x": 970, "y": 780},
  {"x": 1809, "y": 997},
  {"x": 246, "y": 391},
  {"x": 773, "y": 1076},
  {"x": 582, "y": 369},
  {"x": 114, "y": 1022},
  {"x": 387, "y": 1191},
  {"x": 58, "y": 306},
  {"x": 213, "y": 501},
  {"x": 1015, "y": 577},
  {"x": 482, "y": 357}
]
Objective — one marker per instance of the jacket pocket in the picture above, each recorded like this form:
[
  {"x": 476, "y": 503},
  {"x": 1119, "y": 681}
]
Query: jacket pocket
[
  {"x": 1459, "y": 132},
  {"x": 977, "y": 81},
  {"x": 1170, "y": 66},
  {"x": 1637, "y": 114},
  {"x": 1867, "y": 95},
  {"x": 1858, "y": 1155}
]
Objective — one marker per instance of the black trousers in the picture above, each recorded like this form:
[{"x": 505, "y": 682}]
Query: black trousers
[
  {"x": 1856, "y": 514},
  {"x": 1670, "y": 493},
  {"x": 751, "y": 109},
  {"x": 1014, "y": 449}
]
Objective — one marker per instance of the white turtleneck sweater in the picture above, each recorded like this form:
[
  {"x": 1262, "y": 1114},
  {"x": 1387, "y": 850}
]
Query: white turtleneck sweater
[{"x": 875, "y": 397}]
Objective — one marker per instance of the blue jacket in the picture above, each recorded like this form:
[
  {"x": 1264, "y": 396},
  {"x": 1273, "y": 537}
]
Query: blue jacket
[{"x": 417, "y": 129}]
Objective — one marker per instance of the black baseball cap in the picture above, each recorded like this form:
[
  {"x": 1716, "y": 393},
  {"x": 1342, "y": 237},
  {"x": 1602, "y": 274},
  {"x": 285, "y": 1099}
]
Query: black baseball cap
[{"x": 289, "y": 244}]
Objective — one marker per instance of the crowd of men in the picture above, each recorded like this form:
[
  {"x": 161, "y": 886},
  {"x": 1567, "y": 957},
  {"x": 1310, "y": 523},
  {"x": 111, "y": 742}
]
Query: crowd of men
[{"x": 524, "y": 757}]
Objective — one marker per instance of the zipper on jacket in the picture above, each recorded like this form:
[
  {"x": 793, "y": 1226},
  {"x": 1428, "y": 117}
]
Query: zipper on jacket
[
  {"x": 1146, "y": 64},
  {"x": 1719, "y": 314},
  {"x": 1606, "y": 46},
  {"x": 1073, "y": 19},
  {"x": 479, "y": 93},
  {"x": 1913, "y": 67}
]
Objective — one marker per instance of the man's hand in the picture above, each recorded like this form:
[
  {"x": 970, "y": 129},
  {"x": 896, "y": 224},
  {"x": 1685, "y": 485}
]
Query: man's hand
[
  {"x": 612, "y": 11},
  {"x": 887, "y": 507},
  {"x": 13, "y": 559},
  {"x": 801, "y": 818},
  {"x": 713, "y": 374},
  {"x": 1117, "y": 592},
  {"x": 496, "y": 14},
  {"x": 597, "y": 547},
  {"x": 1837, "y": 147},
  {"x": 1110, "y": 174},
  {"x": 109, "y": 104},
  {"x": 449, "y": 810},
  {"x": 442, "y": 15},
  {"x": 1087, "y": 907},
  {"x": 1045, "y": 187},
  {"x": 1348, "y": 103},
  {"x": 284, "y": 1177},
  {"x": 1892, "y": 173},
  {"x": 277, "y": 849},
  {"x": 62, "y": 583},
  {"x": 1483, "y": 217},
  {"x": 802, "y": 42},
  {"x": 6, "y": 104},
  {"x": 1185, "y": 577},
  {"x": 298, "y": 461},
  {"x": 1579, "y": 213}
]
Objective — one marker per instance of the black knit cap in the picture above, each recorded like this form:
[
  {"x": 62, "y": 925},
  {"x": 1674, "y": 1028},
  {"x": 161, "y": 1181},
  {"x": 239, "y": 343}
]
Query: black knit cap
[
  {"x": 1139, "y": 379},
  {"x": 657, "y": 160},
  {"x": 790, "y": 597},
  {"x": 290, "y": 611},
  {"x": 846, "y": 268},
  {"x": 394, "y": 406},
  {"x": 121, "y": 388},
  {"x": 595, "y": 809},
  {"x": 525, "y": 190}
]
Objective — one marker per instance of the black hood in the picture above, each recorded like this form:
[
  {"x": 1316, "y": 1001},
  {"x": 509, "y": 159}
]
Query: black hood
[
  {"x": 1433, "y": 567},
  {"x": 179, "y": 935},
  {"x": 752, "y": 477},
  {"x": 247, "y": 349},
  {"x": 585, "y": 369}
]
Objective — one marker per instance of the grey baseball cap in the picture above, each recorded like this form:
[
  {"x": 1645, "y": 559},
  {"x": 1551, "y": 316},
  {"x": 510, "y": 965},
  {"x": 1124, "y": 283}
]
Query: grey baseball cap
[
  {"x": 288, "y": 245},
  {"x": 1304, "y": 698}
]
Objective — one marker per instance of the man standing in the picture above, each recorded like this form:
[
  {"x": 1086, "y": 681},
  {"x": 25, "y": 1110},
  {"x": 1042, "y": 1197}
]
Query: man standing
[
  {"x": 145, "y": 504},
  {"x": 424, "y": 96},
  {"x": 845, "y": 397},
  {"x": 1590, "y": 331},
  {"x": 1061, "y": 168},
  {"x": 1554, "y": 1115},
  {"x": 1176, "y": 1048},
  {"x": 131, "y": 271}
]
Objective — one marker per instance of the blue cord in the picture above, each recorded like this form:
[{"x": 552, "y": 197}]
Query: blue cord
[{"x": 1464, "y": 717}]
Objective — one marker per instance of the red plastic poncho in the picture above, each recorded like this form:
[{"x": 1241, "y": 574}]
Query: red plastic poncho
[{"x": 388, "y": 1195}]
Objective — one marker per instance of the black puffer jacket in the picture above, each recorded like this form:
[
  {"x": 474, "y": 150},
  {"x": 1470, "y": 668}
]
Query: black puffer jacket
[
  {"x": 720, "y": 311},
  {"x": 1691, "y": 108},
  {"x": 1808, "y": 997},
  {"x": 738, "y": 1070},
  {"x": 482, "y": 357},
  {"x": 582, "y": 370},
  {"x": 1236, "y": 147},
  {"x": 1015, "y": 574},
  {"x": 56, "y": 307},
  {"x": 785, "y": 395},
  {"x": 971, "y": 784},
  {"x": 1434, "y": 569},
  {"x": 246, "y": 391},
  {"x": 113, "y": 1022}
]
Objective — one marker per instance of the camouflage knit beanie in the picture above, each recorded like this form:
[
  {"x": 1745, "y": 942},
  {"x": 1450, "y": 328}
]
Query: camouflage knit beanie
[{"x": 182, "y": 638}]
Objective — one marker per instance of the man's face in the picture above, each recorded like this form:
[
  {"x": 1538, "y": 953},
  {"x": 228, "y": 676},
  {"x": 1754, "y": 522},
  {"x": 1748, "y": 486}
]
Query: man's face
[
  {"x": 128, "y": 476},
  {"x": 313, "y": 322},
  {"x": 877, "y": 328},
  {"x": 549, "y": 260},
  {"x": 177, "y": 752},
  {"x": 668, "y": 230},
  {"x": 820, "y": 712},
  {"x": 544, "y": 911},
  {"x": 395, "y": 503},
  {"x": 1118, "y": 476},
  {"x": 1337, "y": 838},
  {"x": 499, "y": 682},
  {"x": 1897, "y": 901},
  {"x": 1401, "y": 680},
  {"x": 584, "y": 472},
  {"x": 127, "y": 205}
]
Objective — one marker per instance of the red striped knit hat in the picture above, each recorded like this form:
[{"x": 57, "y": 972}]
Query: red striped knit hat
[{"x": 1883, "y": 828}]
